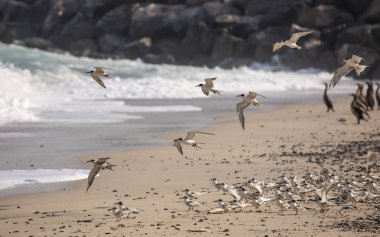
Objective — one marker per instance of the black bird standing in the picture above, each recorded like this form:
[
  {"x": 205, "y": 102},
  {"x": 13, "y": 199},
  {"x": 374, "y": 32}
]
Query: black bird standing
[
  {"x": 356, "y": 109},
  {"x": 370, "y": 96},
  {"x": 360, "y": 98},
  {"x": 378, "y": 95},
  {"x": 327, "y": 99}
]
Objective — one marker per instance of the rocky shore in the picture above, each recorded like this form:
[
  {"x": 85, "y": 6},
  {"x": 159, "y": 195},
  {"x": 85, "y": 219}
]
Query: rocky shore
[{"x": 223, "y": 33}]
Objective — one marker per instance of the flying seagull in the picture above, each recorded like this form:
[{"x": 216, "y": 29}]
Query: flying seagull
[
  {"x": 99, "y": 72},
  {"x": 247, "y": 101},
  {"x": 350, "y": 64},
  {"x": 100, "y": 164},
  {"x": 292, "y": 42},
  {"x": 206, "y": 88},
  {"x": 188, "y": 140}
]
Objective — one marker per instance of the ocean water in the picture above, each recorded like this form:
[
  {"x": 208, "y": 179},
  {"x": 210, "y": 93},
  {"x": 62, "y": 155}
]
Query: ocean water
[{"x": 52, "y": 111}]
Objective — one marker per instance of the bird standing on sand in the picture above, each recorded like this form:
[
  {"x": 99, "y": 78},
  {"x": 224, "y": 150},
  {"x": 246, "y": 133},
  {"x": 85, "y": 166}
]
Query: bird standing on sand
[
  {"x": 350, "y": 64},
  {"x": 99, "y": 72},
  {"x": 360, "y": 98},
  {"x": 209, "y": 86},
  {"x": 100, "y": 164},
  {"x": 327, "y": 100},
  {"x": 378, "y": 95},
  {"x": 190, "y": 203},
  {"x": 370, "y": 96},
  {"x": 357, "y": 110},
  {"x": 247, "y": 101},
  {"x": 292, "y": 42},
  {"x": 188, "y": 140}
]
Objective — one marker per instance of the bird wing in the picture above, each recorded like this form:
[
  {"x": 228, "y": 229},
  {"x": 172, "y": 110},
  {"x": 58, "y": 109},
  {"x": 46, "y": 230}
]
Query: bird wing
[
  {"x": 91, "y": 176},
  {"x": 241, "y": 118},
  {"x": 356, "y": 59},
  {"x": 205, "y": 90},
  {"x": 294, "y": 38},
  {"x": 98, "y": 80},
  {"x": 277, "y": 46},
  {"x": 101, "y": 69},
  {"x": 359, "y": 69},
  {"x": 209, "y": 81},
  {"x": 102, "y": 160},
  {"x": 189, "y": 136},
  {"x": 208, "y": 133},
  {"x": 177, "y": 144},
  {"x": 339, "y": 73}
]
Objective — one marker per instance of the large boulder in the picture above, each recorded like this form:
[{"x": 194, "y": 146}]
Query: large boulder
[
  {"x": 274, "y": 12},
  {"x": 211, "y": 10},
  {"x": 372, "y": 14},
  {"x": 39, "y": 43},
  {"x": 61, "y": 12},
  {"x": 117, "y": 20},
  {"x": 137, "y": 48},
  {"x": 241, "y": 26},
  {"x": 154, "y": 20},
  {"x": 360, "y": 34},
  {"x": 168, "y": 46},
  {"x": 265, "y": 39},
  {"x": 229, "y": 46},
  {"x": 325, "y": 16},
  {"x": 355, "y": 7},
  {"x": 370, "y": 56},
  {"x": 109, "y": 43},
  {"x": 83, "y": 47}
]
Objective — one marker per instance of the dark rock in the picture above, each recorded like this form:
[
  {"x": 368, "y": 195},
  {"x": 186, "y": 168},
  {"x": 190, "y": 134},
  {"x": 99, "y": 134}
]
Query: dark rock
[
  {"x": 97, "y": 8},
  {"x": 158, "y": 59},
  {"x": 375, "y": 74},
  {"x": 365, "y": 35},
  {"x": 211, "y": 10},
  {"x": 154, "y": 20},
  {"x": 264, "y": 40},
  {"x": 372, "y": 14},
  {"x": 109, "y": 43},
  {"x": 185, "y": 18},
  {"x": 241, "y": 26},
  {"x": 274, "y": 12},
  {"x": 38, "y": 43},
  {"x": 370, "y": 56},
  {"x": 117, "y": 20},
  {"x": 199, "y": 39},
  {"x": 138, "y": 48},
  {"x": 324, "y": 16},
  {"x": 78, "y": 28},
  {"x": 83, "y": 47},
  {"x": 356, "y": 8},
  {"x": 167, "y": 47},
  {"x": 228, "y": 46},
  {"x": 61, "y": 12},
  {"x": 241, "y": 4},
  {"x": 200, "y": 60}
]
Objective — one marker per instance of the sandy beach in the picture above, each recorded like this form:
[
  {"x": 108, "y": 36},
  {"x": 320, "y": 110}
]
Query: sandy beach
[{"x": 290, "y": 141}]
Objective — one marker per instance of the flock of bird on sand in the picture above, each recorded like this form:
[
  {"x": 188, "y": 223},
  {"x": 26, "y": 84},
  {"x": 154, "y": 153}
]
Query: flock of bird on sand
[{"x": 289, "y": 190}]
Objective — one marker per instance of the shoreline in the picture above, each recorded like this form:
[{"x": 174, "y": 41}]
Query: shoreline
[{"x": 147, "y": 178}]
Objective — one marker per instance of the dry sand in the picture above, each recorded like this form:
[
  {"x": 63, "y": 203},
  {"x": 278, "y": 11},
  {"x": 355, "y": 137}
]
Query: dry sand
[{"x": 288, "y": 141}]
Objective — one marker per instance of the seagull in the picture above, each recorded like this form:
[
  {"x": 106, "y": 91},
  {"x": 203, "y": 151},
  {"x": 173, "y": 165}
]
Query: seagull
[
  {"x": 100, "y": 164},
  {"x": 282, "y": 205},
  {"x": 193, "y": 194},
  {"x": 206, "y": 88},
  {"x": 190, "y": 203},
  {"x": 292, "y": 42},
  {"x": 188, "y": 140},
  {"x": 350, "y": 64},
  {"x": 247, "y": 101},
  {"x": 99, "y": 72}
]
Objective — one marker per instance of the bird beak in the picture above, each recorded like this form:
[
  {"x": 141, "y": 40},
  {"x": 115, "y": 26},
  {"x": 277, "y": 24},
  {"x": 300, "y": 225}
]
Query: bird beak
[
  {"x": 197, "y": 86},
  {"x": 88, "y": 72}
]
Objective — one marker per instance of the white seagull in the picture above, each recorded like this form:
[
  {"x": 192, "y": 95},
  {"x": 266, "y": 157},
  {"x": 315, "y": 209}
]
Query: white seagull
[
  {"x": 350, "y": 64},
  {"x": 209, "y": 86},
  {"x": 100, "y": 164},
  {"x": 190, "y": 203},
  {"x": 99, "y": 72},
  {"x": 292, "y": 42},
  {"x": 247, "y": 101},
  {"x": 188, "y": 140}
]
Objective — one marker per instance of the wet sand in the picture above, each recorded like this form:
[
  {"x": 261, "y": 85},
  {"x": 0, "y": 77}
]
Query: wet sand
[{"x": 288, "y": 141}]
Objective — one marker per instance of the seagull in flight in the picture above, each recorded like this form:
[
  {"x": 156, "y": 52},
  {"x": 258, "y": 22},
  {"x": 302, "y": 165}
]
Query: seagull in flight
[
  {"x": 350, "y": 64},
  {"x": 99, "y": 72},
  {"x": 247, "y": 101},
  {"x": 98, "y": 165},
  {"x": 292, "y": 42},
  {"x": 206, "y": 88},
  {"x": 188, "y": 140}
]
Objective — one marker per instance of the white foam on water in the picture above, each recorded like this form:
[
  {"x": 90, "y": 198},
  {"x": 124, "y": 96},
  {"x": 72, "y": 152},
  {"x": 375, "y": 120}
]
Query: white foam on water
[
  {"x": 43, "y": 86},
  {"x": 12, "y": 178}
]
